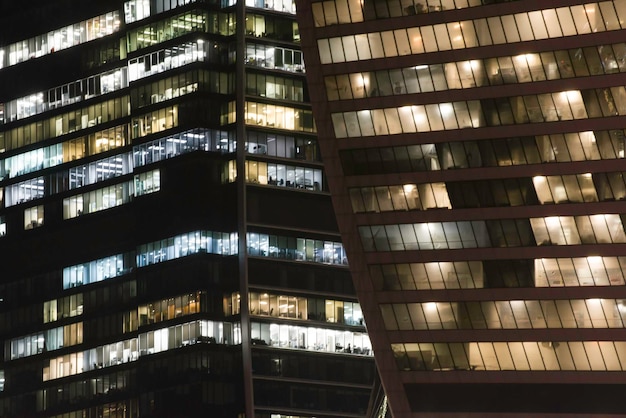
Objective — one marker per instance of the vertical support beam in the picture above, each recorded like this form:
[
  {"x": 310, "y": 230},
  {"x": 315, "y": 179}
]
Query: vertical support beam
[{"x": 242, "y": 226}]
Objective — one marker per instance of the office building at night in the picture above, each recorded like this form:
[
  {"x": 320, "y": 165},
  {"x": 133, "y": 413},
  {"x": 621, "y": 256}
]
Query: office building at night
[
  {"x": 167, "y": 241},
  {"x": 475, "y": 154}
]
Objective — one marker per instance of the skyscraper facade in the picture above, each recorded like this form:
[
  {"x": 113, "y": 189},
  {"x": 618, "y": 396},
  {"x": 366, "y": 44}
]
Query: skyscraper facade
[
  {"x": 167, "y": 241},
  {"x": 475, "y": 154}
]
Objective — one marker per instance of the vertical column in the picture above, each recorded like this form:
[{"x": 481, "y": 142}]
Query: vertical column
[{"x": 242, "y": 227}]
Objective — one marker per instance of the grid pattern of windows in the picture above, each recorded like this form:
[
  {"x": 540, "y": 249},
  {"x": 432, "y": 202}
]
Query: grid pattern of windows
[
  {"x": 509, "y": 314},
  {"x": 297, "y": 307},
  {"x": 310, "y": 338},
  {"x": 276, "y": 116},
  {"x": 154, "y": 122},
  {"x": 52, "y": 339},
  {"x": 187, "y": 244},
  {"x": 222, "y": 243},
  {"x": 494, "y": 30},
  {"x": 400, "y": 197},
  {"x": 543, "y": 272},
  {"x": 130, "y": 350},
  {"x": 326, "y": 13},
  {"x": 33, "y": 217},
  {"x": 546, "y": 107},
  {"x": 467, "y": 142},
  {"x": 167, "y": 59},
  {"x": 272, "y": 27},
  {"x": 280, "y": 145},
  {"x": 65, "y": 123},
  {"x": 24, "y": 191},
  {"x": 95, "y": 271},
  {"x": 526, "y": 355},
  {"x": 97, "y": 171},
  {"x": 552, "y": 230},
  {"x": 66, "y": 94},
  {"x": 60, "y": 39},
  {"x": 261, "y": 172},
  {"x": 106, "y": 124},
  {"x": 425, "y": 236},
  {"x": 524, "y": 68},
  {"x": 64, "y": 391},
  {"x": 73, "y": 149},
  {"x": 284, "y": 6},
  {"x": 173, "y": 307},
  {"x": 179, "y": 25},
  {"x": 182, "y": 143},
  {"x": 292, "y": 248},
  {"x": 274, "y": 87},
  {"x": 180, "y": 85},
  {"x": 65, "y": 307},
  {"x": 111, "y": 196},
  {"x": 574, "y": 188},
  {"x": 274, "y": 57},
  {"x": 73, "y": 145},
  {"x": 500, "y": 152},
  {"x": 135, "y": 10}
]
